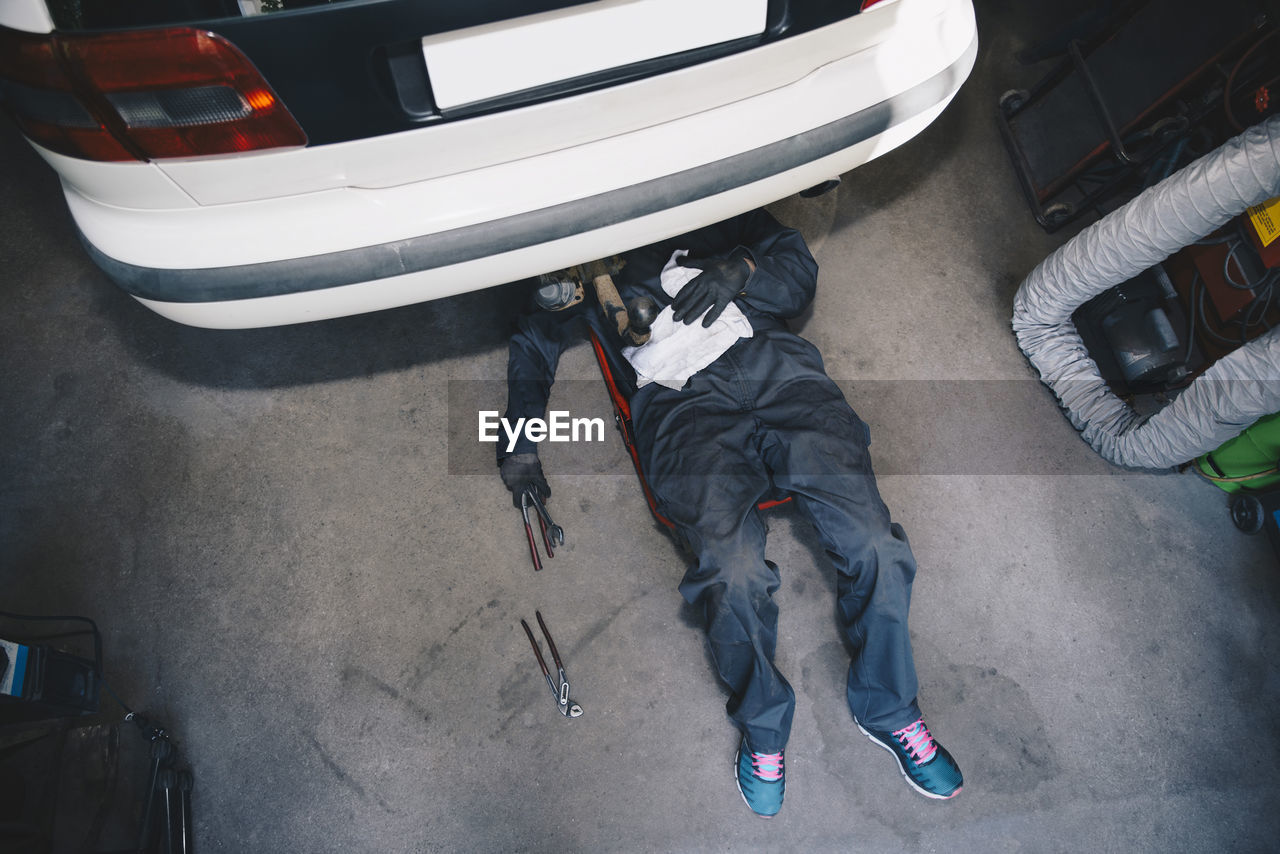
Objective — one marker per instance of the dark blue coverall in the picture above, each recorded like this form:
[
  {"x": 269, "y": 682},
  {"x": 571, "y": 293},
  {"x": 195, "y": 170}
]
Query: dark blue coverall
[{"x": 762, "y": 420}]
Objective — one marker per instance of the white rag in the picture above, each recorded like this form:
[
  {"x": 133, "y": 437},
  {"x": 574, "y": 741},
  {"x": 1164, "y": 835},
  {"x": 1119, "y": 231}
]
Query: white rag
[{"x": 677, "y": 351}]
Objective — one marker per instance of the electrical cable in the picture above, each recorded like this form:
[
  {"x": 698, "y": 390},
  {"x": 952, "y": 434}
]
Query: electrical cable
[
  {"x": 1206, "y": 327},
  {"x": 129, "y": 713},
  {"x": 1254, "y": 313},
  {"x": 1232, "y": 248},
  {"x": 1167, "y": 161},
  {"x": 1265, "y": 304}
]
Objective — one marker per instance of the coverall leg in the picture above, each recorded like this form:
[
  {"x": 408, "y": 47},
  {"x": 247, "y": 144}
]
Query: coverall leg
[
  {"x": 703, "y": 465},
  {"x": 818, "y": 453},
  {"x": 765, "y": 414}
]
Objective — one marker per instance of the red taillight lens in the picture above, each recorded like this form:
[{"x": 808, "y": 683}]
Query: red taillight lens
[
  {"x": 39, "y": 92},
  {"x": 867, "y": 4},
  {"x": 144, "y": 94}
]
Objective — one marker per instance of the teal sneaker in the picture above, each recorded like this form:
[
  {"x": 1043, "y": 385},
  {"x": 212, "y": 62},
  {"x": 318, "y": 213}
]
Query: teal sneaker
[
  {"x": 926, "y": 765},
  {"x": 760, "y": 780}
]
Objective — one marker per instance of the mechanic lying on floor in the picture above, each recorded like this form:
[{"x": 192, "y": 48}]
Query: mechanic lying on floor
[{"x": 732, "y": 409}]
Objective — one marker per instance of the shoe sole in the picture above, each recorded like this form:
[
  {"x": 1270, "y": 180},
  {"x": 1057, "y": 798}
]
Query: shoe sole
[
  {"x": 737, "y": 757},
  {"x": 903, "y": 771}
]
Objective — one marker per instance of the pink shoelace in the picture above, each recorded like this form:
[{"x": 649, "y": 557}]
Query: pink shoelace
[
  {"x": 918, "y": 742},
  {"x": 767, "y": 766}
]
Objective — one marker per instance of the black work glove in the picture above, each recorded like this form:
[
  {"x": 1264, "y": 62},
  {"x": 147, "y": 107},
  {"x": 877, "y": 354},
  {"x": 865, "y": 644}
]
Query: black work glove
[
  {"x": 715, "y": 287},
  {"x": 522, "y": 471}
]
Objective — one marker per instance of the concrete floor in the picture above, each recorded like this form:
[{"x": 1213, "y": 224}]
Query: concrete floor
[{"x": 295, "y": 568}]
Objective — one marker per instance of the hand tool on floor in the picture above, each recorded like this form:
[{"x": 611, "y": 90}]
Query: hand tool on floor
[
  {"x": 552, "y": 534},
  {"x": 559, "y": 686}
]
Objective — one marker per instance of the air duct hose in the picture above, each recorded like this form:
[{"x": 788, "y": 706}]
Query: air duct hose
[{"x": 1188, "y": 205}]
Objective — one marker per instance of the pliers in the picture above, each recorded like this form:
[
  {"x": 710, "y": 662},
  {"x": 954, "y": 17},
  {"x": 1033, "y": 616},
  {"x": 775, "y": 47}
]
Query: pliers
[
  {"x": 559, "y": 686},
  {"x": 552, "y": 534}
]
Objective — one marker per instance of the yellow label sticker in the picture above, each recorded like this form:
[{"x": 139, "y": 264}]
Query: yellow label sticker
[{"x": 1266, "y": 219}]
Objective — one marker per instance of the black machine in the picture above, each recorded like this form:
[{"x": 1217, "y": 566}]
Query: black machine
[
  {"x": 1137, "y": 335},
  {"x": 1155, "y": 332}
]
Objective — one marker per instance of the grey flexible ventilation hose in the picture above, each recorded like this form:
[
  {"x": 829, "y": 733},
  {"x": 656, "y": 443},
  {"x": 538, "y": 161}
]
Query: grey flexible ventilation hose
[{"x": 1188, "y": 205}]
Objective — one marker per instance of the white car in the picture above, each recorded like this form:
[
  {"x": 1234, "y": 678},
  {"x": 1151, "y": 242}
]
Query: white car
[{"x": 240, "y": 163}]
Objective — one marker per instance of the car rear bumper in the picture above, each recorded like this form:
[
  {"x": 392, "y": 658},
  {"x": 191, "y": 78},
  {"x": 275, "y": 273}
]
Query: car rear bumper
[{"x": 481, "y": 227}]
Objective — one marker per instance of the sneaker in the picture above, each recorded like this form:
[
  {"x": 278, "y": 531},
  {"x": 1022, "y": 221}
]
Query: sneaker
[
  {"x": 760, "y": 780},
  {"x": 926, "y": 765}
]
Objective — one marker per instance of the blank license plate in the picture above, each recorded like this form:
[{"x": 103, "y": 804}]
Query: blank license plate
[{"x": 489, "y": 61}]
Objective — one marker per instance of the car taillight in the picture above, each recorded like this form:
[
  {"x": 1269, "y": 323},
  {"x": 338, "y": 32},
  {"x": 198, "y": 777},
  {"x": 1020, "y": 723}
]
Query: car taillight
[
  {"x": 140, "y": 95},
  {"x": 867, "y": 4}
]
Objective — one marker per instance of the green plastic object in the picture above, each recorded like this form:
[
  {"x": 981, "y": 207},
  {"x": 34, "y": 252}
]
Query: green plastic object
[{"x": 1250, "y": 461}]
